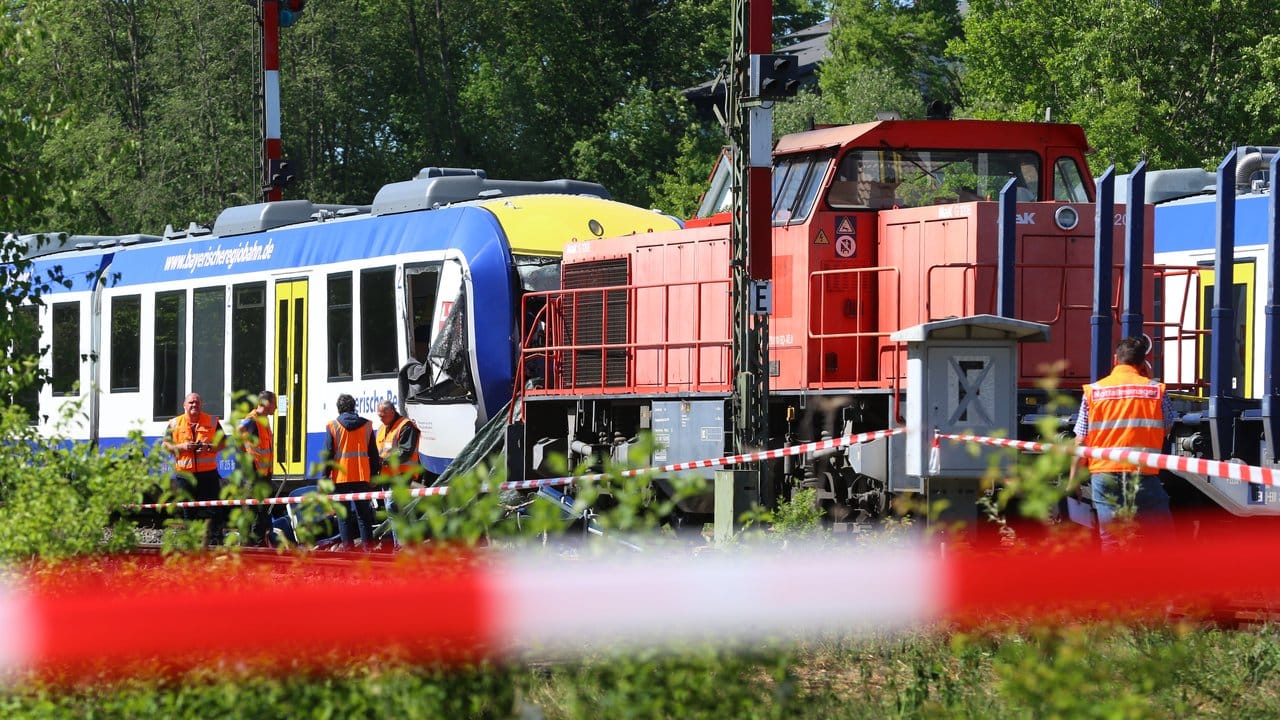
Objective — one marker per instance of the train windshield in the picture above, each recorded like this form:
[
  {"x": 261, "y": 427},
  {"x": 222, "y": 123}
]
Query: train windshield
[
  {"x": 890, "y": 177},
  {"x": 439, "y": 334}
]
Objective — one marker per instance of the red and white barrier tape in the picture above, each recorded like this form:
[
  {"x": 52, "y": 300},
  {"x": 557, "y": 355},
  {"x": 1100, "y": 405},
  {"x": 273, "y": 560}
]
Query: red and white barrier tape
[
  {"x": 1198, "y": 466},
  {"x": 93, "y": 625},
  {"x": 548, "y": 482}
]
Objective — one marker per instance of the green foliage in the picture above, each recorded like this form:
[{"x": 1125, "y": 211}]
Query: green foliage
[
  {"x": 59, "y": 499},
  {"x": 892, "y": 53},
  {"x": 1179, "y": 82}
]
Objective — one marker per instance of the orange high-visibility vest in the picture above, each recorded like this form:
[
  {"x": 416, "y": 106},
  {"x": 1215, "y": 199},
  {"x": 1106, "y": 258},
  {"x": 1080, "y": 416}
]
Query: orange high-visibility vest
[
  {"x": 1125, "y": 411},
  {"x": 350, "y": 453},
  {"x": 263, "y": 450},
  {"x": 387, "y": 446},
  {"x": 205, "y": 430}
]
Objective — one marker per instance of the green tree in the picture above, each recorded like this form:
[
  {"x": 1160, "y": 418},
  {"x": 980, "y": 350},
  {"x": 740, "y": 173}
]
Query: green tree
[
  {"x": 1179, "y": 82},
  {"x": 890, "y": 55}
]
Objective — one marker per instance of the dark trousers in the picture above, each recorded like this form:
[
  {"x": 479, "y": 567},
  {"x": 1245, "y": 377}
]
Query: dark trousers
[
  {"x": 261, "y": 532},
  {"x": 359, "y": 515},
  {"x": 207, "y": 485}
]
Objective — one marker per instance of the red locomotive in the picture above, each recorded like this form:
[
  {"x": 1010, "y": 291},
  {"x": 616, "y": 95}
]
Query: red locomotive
[{"x": 876, "y": 227}]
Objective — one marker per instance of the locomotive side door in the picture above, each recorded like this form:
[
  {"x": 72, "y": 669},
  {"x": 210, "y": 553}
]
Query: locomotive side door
[{"x": 291, "y": 376}]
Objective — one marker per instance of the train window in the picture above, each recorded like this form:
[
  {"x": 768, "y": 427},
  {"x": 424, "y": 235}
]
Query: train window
[
  {"x": 719, "y": 195},
  {"x": 169, "y": 374},
  {"x": 248, "y": 337},
  {"x": 423, "y": 284},
  {"x": 126, "y": 343},
  {"x": 27, "y": 344},
  {"x": 341, "y": 334},
  {"x": 912, "y": 178},
  {"x": 449, "y": 357},
  {"x": 1068, "y": 182},
  {"x": 378, "y": 355},
  {"x": 793, "y": 195},
  {"x": 208, "y": 365},
  {"x": 66, "y": 348}
]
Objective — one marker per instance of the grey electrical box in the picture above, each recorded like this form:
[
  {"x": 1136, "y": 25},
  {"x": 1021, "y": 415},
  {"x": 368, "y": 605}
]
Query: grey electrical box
[{"x": 962, "y": 378}]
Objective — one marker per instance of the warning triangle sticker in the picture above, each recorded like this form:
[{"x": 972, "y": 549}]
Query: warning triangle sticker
[
  {"x": 821, "y": 239},
  {"x": 844, "y": 226}
]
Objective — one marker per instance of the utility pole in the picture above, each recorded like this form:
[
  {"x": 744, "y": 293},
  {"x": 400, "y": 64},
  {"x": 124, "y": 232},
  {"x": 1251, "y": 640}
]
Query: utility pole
[{"x": 757, "y": 79}]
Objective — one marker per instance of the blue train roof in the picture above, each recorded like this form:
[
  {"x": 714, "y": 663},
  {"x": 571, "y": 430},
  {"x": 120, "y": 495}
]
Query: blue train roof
[
  {"x": 1189, "y": 224},
  {"x": 468, "y": 229}
]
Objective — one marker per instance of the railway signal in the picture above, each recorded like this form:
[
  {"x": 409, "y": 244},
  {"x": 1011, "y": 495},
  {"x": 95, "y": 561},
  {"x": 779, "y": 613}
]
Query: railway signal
[
  {"x": 280, "y": 172},
  {"x": 773, "y": 77},
  {"x": 290, "y": 11}
]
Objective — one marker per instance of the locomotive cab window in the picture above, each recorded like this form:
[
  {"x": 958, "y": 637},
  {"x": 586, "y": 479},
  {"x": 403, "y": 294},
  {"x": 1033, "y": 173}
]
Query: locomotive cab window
[
  {"x": 796, "y": 181},
  {"x": 66, "y": 348},
  {"x": 880, "y": 179},
  {"x": 1068, "y": 181}
]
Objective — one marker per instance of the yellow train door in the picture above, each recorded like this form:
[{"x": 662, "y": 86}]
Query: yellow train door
[
  {"x": 1242, "y": 367},
  {"x": 291, "y": 376}
]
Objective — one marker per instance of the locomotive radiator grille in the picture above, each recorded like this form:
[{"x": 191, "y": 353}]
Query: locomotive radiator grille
[{"x": 595, "y": 318}]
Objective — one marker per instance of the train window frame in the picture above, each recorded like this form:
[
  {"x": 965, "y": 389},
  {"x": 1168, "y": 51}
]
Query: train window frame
[
  {"x": 124, "y": 375},
  {"x": 209, "y": 366},
  {"x": 249, "y": 344},
  {"x": 341, "y": 318},
  {"x": 378, "y": 323},
  {"x": 64, "y": 363},
  {"x": 1068, "y": 181},
  {"x": 889, "y": 177},
  {"x": 420, "y": 310},
  {"x": 796, "y": 193},
  {"x": 26, "y": 343},
  {"x": 160, "y": 411}
]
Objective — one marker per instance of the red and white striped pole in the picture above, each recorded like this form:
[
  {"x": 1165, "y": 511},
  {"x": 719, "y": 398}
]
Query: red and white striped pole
[{"x": 272, "y": 147}]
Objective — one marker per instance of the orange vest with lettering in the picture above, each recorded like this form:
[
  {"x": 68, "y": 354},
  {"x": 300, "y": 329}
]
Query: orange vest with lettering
[
  {"x": 350, "y": 453},
  {"x": 387, "y": 446},
  {"x": 263, "y": 450},
  {"x": 1126, "y": 410},
  {"x": 205, "y": 430}
]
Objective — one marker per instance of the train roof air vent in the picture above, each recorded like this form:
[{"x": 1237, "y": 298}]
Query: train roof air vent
[
  {"x": 438, "y": 187},
  {"x": 259, "y": 217}
]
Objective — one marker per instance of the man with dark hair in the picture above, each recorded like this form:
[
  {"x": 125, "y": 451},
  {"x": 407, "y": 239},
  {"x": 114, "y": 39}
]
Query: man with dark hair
[
  {"x": 258, "y": 440},
  {"x": 195, "y": 438},
  {"x": 350, "y": 459},
  {"x": 1126, "y": 409}
]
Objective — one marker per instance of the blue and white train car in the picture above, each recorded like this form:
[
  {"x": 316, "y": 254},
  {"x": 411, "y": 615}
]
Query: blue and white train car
[
  {"x": 1185, "y": 253},
  {"x": 313, "y": 301}
]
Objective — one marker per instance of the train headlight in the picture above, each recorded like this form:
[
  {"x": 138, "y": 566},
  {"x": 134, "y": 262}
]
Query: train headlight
[{"x": 1066, "y": 218}]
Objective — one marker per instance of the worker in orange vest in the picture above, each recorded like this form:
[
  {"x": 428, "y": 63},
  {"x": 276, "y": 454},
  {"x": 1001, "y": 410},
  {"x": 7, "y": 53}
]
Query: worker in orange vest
[
  {"x": 1126, "y": 409},
  {"x": 258, "y": 441},
  {"x": 350, "y": 458},
  {"x": 194, "y": 439},
  {"x": 397, "y": 441}
]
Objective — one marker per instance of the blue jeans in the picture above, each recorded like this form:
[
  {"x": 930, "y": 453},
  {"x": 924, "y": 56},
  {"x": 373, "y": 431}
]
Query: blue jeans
[{"x": 1112, "y": 491}]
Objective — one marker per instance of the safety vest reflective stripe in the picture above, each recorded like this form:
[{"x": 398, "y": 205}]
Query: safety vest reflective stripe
[
  {"x": 388, "y": 445},
  {"x": 350, "y": 453},
  {"x": 205, "y": 430},
  {"x": 1126, "y": 410},
  {"x": 264, "y": 449},
  {"x": 1127, "y": 423}
]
